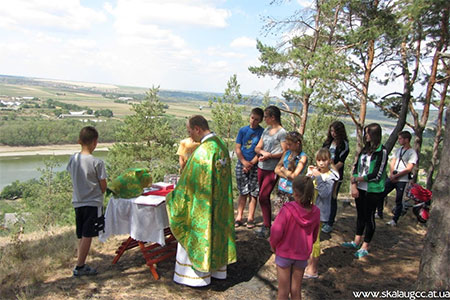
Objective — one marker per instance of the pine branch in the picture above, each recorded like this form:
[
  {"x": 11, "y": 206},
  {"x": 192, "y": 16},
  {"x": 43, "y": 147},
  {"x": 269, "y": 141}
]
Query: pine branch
[{"x": 349, "y": 110}]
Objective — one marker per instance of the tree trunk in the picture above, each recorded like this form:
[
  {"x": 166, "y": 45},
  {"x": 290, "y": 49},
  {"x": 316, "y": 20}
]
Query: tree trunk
[
  {"x": 364, "y": 97},
  {"x": 429, "y": 91},
  {"x": 437, "y": 138},
  {"x": 304, "y": 115},
  {"x": 434, "y": 271},
  {"x": 406, "y": 96}
]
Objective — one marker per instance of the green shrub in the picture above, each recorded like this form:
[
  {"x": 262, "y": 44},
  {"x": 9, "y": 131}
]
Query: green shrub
[
  {"x": 12, "y": 191},
  {"x": 48, "y": 199},
  {"x": 28, "y": 132}
]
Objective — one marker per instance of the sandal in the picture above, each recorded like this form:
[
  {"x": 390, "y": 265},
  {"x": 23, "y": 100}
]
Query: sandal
[
  {"x": 310, "y": 276},
  {"x": 250, "y": 224},
  {"x": 238, "y": 224}
]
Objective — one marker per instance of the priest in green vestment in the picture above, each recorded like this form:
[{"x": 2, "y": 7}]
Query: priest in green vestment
[{"x": 200, "y": 208}]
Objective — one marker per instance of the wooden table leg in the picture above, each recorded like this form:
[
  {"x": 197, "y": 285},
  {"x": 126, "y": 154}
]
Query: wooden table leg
[
  {"x": 130, "y": 243},
  {"x": 150, "y": 265},
  {"x": 153, "y": 253}
]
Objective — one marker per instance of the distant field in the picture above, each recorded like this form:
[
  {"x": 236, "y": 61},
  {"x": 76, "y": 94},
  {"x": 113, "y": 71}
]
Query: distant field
[
  {"x": 181, "y": 103},
  {"x": 44, "y": 93},
  {"x": 94, "y": 99},
  {"x": 118, "y": 109},
  {"x": 184, "y": 109},
  {"x": 23, "y": 91}
]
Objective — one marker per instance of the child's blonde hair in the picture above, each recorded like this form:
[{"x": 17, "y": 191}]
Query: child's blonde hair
[
  {"x": 304, "y": 187},
  {"x": 323, "y": 154}
]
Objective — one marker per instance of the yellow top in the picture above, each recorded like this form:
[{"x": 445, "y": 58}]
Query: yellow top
[{"x": 187, "y": 146}]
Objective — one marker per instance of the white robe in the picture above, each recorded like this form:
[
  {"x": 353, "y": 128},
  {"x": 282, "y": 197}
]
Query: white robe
[{"x": 185, "y": 274}]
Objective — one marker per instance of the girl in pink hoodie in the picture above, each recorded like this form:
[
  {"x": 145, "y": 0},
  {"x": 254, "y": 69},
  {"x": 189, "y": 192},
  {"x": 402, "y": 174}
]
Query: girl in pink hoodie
[{"x": 292, "y": 236}]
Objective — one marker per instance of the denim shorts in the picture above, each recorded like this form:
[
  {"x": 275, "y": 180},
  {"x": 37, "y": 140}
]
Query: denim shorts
[{"x": 287, "y": 262}]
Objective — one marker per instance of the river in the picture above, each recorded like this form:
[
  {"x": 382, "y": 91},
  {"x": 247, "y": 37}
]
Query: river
[{"x": 23, "y": 168}]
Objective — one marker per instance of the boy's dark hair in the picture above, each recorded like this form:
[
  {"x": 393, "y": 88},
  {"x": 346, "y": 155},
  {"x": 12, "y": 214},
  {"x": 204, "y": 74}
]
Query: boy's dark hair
[
  {"x": 275, "y": 112},
  {"x": 88, "y": 135},
  {"x": 258, "y": 111},
  {"x": 199, "y": 121},
  {"x": 304, "y": 187},
  {"x": 406, "y": 135}
]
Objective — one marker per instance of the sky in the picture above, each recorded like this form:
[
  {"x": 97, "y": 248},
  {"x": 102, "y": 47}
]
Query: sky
[{"x": 191, "y": 45}]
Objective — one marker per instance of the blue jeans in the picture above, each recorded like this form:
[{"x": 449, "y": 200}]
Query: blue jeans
[{"x": 399, "y": 190}]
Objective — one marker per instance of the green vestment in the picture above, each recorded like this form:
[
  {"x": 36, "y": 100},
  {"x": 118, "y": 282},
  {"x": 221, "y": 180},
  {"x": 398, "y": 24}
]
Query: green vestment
[{"x": 200, "y": 208}]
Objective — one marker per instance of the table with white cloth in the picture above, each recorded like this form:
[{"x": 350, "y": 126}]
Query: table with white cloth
[{"x": 145, "y": 219}]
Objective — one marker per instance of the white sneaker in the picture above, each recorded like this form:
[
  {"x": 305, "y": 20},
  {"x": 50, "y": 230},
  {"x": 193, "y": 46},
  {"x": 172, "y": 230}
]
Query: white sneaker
[{"x": 391, "y": 223}]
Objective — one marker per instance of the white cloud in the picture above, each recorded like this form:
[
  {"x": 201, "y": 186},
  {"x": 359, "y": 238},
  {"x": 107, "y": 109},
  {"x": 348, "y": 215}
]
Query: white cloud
[
  {"x": 82, "y": 43},
  {"x": 295, "y": 32},
  {"x": 305, "y": 3},
  {"x": 53, "y": 14},
  {"x": 153, "y": 22},
  {"x": 175, "y": 12},
  {"x": 148, "y": 35},
  {"x": 216, "y": 51},
  {"x": 243, "y": 42},
  {"x": 140, "y": 43}
]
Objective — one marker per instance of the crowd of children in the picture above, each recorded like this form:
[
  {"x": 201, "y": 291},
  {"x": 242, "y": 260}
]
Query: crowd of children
[
  {"x": 307, "y": 204},
  {"x": 306, "y": 201}
]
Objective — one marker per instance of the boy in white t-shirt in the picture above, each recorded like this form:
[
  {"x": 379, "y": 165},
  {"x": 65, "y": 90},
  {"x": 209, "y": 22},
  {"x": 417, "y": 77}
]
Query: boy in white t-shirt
[{"x": 400, "y": 168}]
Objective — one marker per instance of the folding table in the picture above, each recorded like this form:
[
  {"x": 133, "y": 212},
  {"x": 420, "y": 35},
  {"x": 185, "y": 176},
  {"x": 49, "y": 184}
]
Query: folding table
[{"x": 145, "y": 219}]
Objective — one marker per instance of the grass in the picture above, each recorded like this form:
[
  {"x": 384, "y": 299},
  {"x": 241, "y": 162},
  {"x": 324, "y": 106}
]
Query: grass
[{"x": 26, "y": 260}]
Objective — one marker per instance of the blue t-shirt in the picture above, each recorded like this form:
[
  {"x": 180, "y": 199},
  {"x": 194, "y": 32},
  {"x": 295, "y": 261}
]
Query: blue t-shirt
[
  {"x": 284, "y": 184},
  {"x": 248, "y": 138}
]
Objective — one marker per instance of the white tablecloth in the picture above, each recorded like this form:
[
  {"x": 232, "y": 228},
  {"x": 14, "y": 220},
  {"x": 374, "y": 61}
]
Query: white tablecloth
[{"x": 142, "y": 222}]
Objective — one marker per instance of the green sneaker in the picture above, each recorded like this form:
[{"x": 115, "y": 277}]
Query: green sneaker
[
  {"x": 361, "y": 253},
  {"x": 327, "y": 228},
  {"x": 351, "y": 244}
]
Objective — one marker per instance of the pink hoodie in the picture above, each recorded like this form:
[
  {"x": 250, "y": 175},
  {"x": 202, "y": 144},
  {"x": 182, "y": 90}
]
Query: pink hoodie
[{"x": 294, "y": 231}]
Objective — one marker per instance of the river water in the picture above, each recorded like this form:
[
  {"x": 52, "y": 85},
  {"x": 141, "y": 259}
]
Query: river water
[{"x": 23, "y": 168}]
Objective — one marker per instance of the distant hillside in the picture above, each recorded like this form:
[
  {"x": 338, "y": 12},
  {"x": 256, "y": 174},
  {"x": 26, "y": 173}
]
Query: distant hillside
[
  {"x": 18, "y": 86},
  {"x": 114, "y": 91}
]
